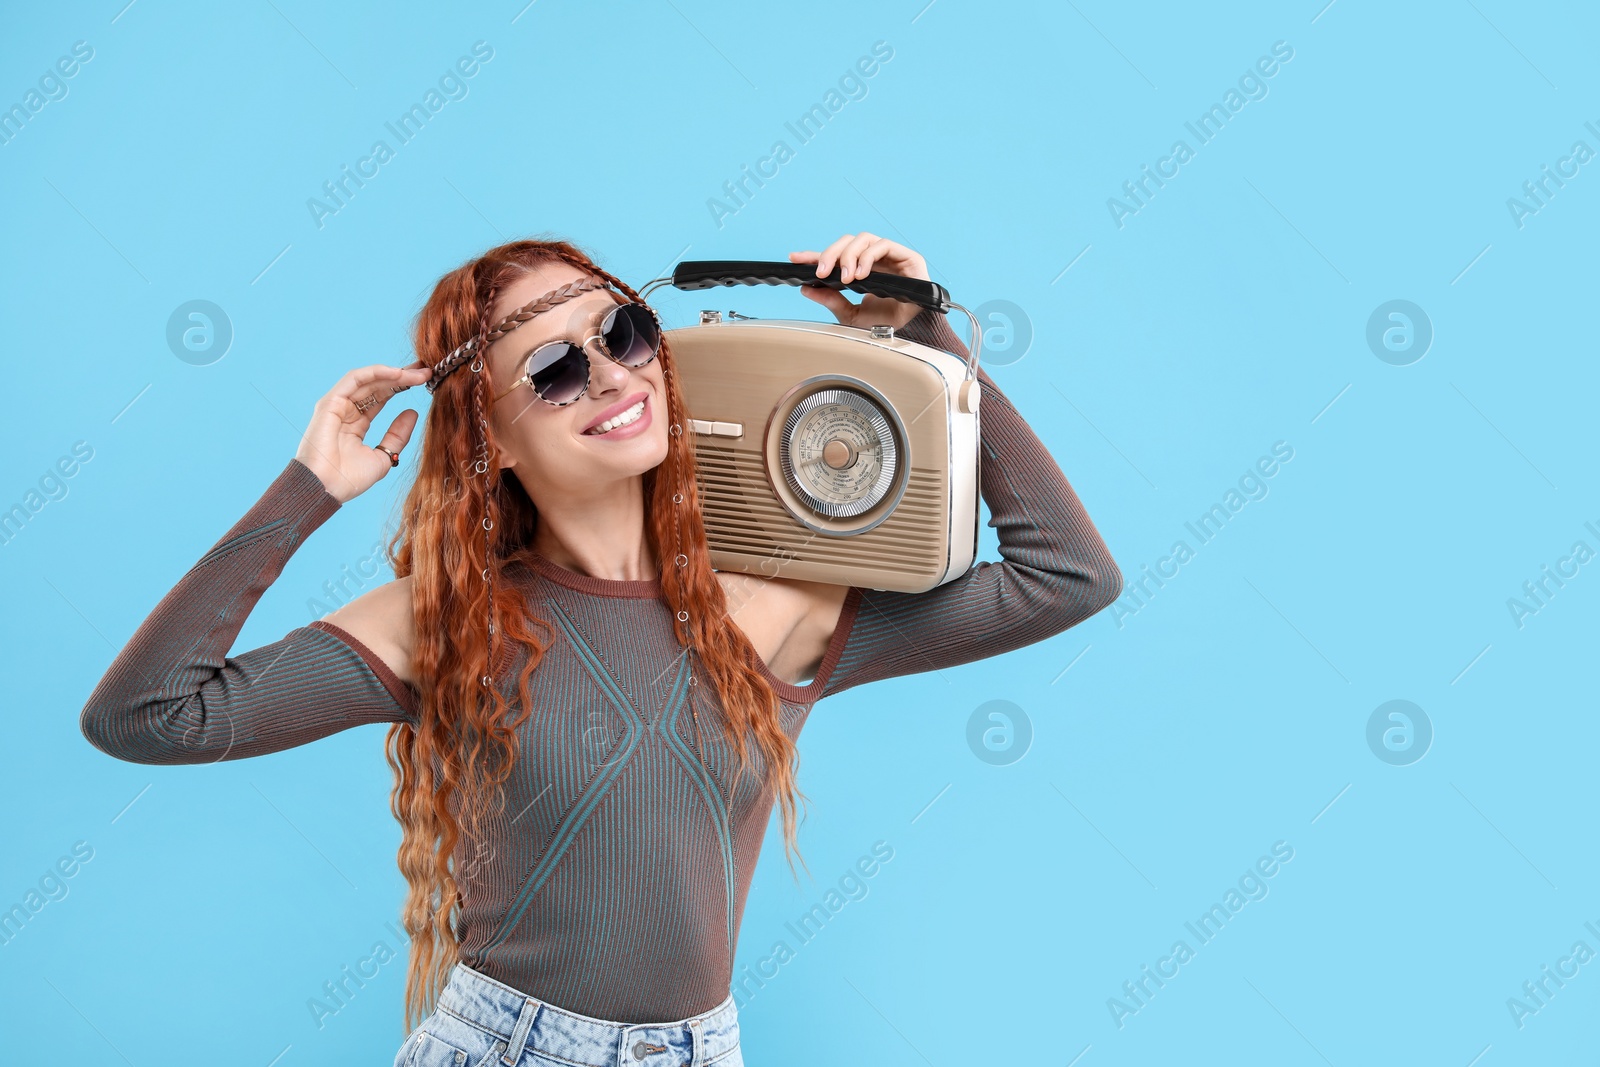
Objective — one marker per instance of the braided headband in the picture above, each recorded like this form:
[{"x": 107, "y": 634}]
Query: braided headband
[{"x": 527, "y": 311}]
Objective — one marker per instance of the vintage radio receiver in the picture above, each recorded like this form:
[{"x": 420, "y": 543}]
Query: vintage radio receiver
[{"x": 826, "y": 452}]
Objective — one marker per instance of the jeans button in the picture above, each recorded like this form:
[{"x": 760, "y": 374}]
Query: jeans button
[{"x": 461, "y": 1057}]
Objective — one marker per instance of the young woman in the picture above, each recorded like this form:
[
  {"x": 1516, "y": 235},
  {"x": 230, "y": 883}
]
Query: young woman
[{"x": 591, "y": 726}]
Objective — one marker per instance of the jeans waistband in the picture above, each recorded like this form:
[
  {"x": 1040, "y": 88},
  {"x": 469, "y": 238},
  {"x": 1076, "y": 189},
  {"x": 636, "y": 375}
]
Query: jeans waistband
[{"x": 524, "y": 1021}]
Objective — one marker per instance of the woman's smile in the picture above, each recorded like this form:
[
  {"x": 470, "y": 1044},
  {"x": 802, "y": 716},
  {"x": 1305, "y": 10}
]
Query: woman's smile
[{"x": 628, "y": 422}]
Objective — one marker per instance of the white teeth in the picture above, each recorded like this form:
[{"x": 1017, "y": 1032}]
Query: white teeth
[{"x": 621, "y": 420}]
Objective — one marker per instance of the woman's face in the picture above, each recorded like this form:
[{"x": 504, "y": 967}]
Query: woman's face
[{"x": 546, "y": 446}]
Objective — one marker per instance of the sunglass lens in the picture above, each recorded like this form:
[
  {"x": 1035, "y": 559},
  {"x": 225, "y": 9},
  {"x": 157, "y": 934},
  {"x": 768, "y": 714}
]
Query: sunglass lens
[
  {"x": 631, "y": 335},
  {"x": 558, "y": 372}
]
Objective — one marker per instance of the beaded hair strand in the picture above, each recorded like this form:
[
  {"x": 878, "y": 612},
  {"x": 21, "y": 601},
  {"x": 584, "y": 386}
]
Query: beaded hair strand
[{"x": 480, "y": 389}]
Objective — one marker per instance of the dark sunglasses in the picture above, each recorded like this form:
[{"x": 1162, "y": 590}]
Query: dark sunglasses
[{"x": 558, "y": 372}]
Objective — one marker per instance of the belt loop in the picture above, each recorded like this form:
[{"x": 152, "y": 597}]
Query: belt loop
[
  {"x": 697, "y": 1038},
  {"x": 520, "y": 1032}
]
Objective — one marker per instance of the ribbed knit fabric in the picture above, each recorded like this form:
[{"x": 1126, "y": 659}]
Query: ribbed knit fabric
[
  {"x": 1056, "y": 571},
  {"x": 615, "y": 879},
  {"x": 173, "y": 695}
]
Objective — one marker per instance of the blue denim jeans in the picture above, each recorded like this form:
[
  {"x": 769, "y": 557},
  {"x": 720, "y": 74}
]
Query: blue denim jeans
[{"x": 480, "y": 1022}]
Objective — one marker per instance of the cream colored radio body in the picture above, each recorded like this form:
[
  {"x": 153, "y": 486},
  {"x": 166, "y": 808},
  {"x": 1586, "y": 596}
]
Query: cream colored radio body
[{"x": 831, "y": 453}]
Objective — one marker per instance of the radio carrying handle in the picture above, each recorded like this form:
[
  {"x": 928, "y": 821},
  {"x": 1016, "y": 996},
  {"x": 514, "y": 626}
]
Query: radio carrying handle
[{"x": 706, "y": 273}]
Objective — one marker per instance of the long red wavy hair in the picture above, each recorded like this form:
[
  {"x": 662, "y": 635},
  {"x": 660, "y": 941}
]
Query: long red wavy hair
[{"x": 463, "y": 747}]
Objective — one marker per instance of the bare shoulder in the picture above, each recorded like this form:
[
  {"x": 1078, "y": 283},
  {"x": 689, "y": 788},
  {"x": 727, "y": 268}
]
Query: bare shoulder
[
  {"x": 381, "y": 619},
  {"x": 789, "y": 621}
]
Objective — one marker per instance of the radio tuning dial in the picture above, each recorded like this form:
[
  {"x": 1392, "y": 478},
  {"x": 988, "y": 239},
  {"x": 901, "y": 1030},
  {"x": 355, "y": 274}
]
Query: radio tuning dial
[{"x": 838, "y": 452}]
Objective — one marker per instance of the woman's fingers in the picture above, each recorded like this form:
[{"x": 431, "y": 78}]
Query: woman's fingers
[
  {"x": 851, "y": 255},
  {"x": 399, "y": 432},
  {"x": 373, "y": 379},
  {"x": 856, "y": 254},
  {"x": 333, "y": 445},
  {"x": 369, "y": 388},
  {"x": 830, "y": 255},
  {"x": 361, "y": 377},
  {"x": 833, "y": 300},
  {"x": 881, "y": 248}
]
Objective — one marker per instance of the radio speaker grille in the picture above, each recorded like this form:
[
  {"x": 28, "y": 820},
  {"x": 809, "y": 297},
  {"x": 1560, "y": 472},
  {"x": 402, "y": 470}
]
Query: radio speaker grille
[{"x": 740, "y": 520}]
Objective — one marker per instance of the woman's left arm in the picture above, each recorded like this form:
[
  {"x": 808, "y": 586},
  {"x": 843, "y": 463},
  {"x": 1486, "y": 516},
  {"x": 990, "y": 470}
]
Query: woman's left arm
[{"x": 1056, "y": 571}]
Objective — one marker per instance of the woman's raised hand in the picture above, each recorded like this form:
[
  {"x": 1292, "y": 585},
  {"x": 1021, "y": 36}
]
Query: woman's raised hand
[
  {"x": 857, "y": 254},
  {"x": 332, "y": 445}
]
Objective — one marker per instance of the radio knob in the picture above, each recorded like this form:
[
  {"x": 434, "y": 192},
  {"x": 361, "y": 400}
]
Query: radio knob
[{"x": 968, "y": 396}]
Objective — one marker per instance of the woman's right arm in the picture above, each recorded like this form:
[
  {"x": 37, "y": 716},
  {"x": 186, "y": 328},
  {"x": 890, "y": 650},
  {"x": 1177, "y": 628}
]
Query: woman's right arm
[{"x": 173, "y": 695}]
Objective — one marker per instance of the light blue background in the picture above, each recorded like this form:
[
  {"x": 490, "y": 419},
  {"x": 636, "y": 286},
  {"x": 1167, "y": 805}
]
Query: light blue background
[{"x": 1230, "y": 313}]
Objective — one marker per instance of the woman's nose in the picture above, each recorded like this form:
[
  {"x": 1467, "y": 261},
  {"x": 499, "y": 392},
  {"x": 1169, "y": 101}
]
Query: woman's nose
[{"x": 605, "y": 374}]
